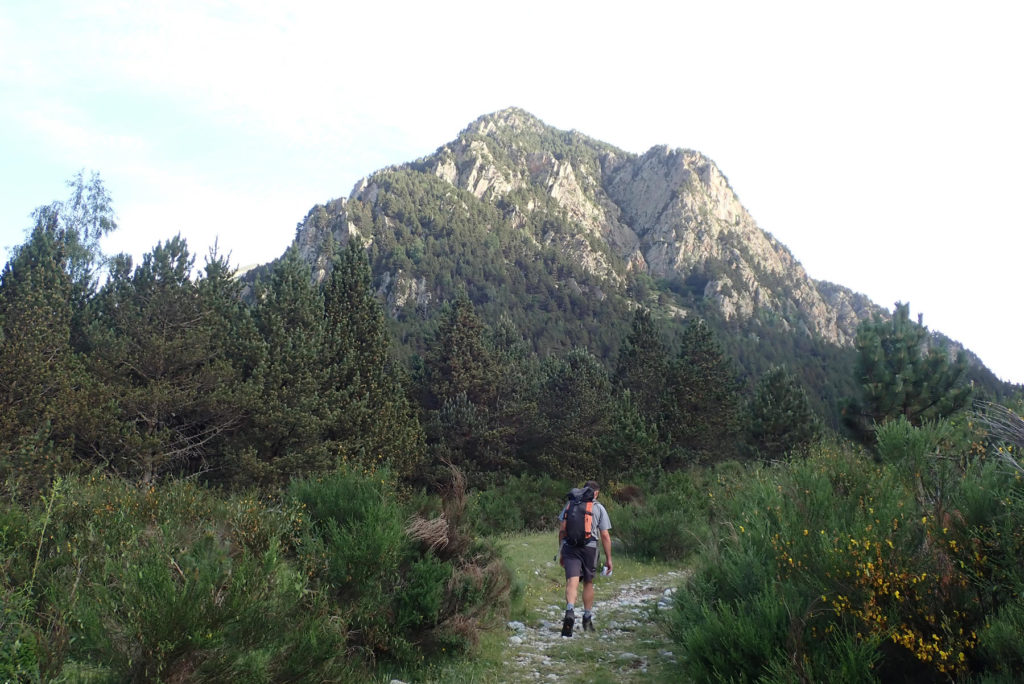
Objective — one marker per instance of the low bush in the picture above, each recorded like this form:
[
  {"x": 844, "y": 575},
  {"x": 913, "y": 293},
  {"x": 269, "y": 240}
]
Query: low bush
[
  {"x": 174, "y": 582},
  {"x": 103, "y": 581},
  {"x": 669, "y": 523},
  {"x": 406, "y": 587},
  {"x": 905, "y": 570},
  {"x": 522, "y": 503}
]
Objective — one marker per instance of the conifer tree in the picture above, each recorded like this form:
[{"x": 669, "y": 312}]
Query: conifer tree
[
  {"x": 460, "y": 391},
  {"x": 460, "y": 360},
  {"x": 577, "y": 406},
  {"x": 158, "y": 352},
  {"x": 642, "y": 365},
  {"x": 518, "y": 371},
  {"x": 780, "y": 416},
  {"x": 902, "y": 373},
  {"x": 702, "y": 406},
  {"x": 372, "y": 420},
  {"x": 288, "y": 425},
  {"x": 40, "y": 377}
]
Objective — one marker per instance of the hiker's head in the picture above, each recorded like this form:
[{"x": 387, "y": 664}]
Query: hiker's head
[{"x": 593, "y": 486}]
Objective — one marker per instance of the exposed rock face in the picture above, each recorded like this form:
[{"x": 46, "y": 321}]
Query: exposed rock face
[{"x": 667, "y": 213}]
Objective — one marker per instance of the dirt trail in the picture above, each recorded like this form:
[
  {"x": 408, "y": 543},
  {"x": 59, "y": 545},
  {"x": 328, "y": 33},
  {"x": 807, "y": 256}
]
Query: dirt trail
[{"x": 627, "y": 645}]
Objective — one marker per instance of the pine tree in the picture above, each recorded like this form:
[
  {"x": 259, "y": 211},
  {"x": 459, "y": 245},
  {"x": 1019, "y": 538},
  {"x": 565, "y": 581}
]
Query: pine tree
[
  {"x": 158, "y": 352},
  {"x": 285, "y": 436},
  {"x": 901, "y": 373},
  {"x": 461, "y": 397},
  {"x": 40, "y": 376},
  {"x": 460, "y": 360},
  {"x": 642, "y": 365},
  {"x": 780, "y": 416},
  {"x": 372, "y": 420},
  {"x": 702, "y": 408},
  {"x": 577, "y": 406}
]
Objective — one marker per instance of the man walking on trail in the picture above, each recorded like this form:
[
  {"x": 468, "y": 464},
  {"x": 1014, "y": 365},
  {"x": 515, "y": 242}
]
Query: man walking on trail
[{"x": 579, "y": 551}]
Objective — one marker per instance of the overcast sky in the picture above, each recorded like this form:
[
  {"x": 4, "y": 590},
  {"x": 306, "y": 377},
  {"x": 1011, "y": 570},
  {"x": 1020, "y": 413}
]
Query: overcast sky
[{"x": 881, "y": 142}]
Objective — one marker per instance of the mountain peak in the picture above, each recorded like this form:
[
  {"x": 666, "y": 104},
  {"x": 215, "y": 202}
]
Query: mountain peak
[{"x": 514, "y": 119}]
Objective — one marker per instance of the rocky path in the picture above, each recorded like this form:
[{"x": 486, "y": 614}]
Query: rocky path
[{"x": 627, "y": 645}]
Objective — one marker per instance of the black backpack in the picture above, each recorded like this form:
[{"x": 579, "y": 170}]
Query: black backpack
[{"x": 578, "y": 515}]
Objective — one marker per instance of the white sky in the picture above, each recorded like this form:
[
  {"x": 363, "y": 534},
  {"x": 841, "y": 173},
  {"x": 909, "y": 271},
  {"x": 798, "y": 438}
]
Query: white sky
[{"x": 880, "y": 141}]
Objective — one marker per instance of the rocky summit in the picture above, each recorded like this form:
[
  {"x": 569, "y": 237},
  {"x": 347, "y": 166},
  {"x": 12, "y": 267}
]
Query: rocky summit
[
  {"x": 565, "y": 235},
  {"x": 669, "y": 214}
]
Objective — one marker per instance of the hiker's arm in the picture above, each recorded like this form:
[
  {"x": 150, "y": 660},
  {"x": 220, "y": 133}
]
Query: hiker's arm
[
  {"x": 561, "y": 537},
  {"x": 606, "y": 544}
]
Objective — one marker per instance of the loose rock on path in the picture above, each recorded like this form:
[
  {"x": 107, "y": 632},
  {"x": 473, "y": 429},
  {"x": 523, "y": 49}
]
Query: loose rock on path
[{"x": 626, "y": 646}]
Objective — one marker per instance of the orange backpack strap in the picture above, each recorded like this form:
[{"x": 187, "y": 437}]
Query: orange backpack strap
[{"x": 588, "y": 520}]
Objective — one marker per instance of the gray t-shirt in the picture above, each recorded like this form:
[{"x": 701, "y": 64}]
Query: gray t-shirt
[{"x": 599, "y": 520}]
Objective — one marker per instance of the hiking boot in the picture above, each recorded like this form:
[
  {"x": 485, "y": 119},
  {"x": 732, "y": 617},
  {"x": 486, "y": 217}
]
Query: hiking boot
[
  {"x": 588, "y": 623},
  {"x": 567, "y": 623}
]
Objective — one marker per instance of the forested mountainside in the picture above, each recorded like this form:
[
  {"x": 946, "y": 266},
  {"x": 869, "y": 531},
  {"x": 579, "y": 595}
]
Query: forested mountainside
[{"x": 563, "y": 236}]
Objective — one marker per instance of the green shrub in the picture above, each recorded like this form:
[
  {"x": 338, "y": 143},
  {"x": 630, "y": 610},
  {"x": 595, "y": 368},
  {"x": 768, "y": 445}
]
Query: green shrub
[
  {"x": 669, "y": 523},
  {"x": 730, "y": 640},
  {"x": 899, "y": 571},
  {"x": 1001, "y": 642},
  {"x": 524, "y": 502},
  {"x": 171, "y": 582},
  {"x": 406, "y": 587}
]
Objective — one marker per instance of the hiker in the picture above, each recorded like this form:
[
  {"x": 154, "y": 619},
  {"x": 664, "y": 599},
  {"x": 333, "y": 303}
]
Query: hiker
[{"x": 583, "y": 521}]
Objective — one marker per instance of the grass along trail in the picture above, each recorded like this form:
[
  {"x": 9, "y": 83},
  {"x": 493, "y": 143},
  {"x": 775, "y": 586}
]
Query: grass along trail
[{"x": 628, "y": 644}]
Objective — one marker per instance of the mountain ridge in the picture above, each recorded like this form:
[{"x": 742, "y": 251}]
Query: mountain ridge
[{"x": 663, "y": 229}]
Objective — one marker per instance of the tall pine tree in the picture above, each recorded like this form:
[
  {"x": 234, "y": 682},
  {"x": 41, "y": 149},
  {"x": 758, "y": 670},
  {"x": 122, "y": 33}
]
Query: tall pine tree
[
  {"x": 642, "y": 366},
  {"x": 285, "y": 435},
  {"x": 372, "y": 421},
  {"x": 40, "y": 376},
  {"x": 702, "y": 409}
]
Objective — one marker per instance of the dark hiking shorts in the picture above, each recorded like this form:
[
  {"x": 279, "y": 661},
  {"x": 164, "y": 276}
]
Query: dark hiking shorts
[{"x": 580, "y": 561}]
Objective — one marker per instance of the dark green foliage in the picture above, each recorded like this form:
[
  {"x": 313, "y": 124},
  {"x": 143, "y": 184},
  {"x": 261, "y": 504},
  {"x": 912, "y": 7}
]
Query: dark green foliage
[
  {"x": 632, "y": 448},
  {"x": 642, "y": 365},
  {"x": 578, "y": 410},
  {"x": 523, "y": 502},
  {"x": 465, "y": 418},
  {"x": 668, "y": 524},
  {"x": 466, "y": 435},
  {"x": 40, "y": 376},
  {"x": 372, "y": 420},
  {"x": 460, "y": 361},
  {"x": 702, "y": 409},
  {"x": 780, "y": 416},
  {"x": 901, "y": 372},
  {"x": 406, "y": 585},
  {"x": 284, "y": 434},
  {"x": 157, "y": 350}
]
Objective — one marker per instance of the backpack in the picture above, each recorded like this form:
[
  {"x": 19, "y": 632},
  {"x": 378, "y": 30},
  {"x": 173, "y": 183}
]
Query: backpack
[{"x": 578, "y": 516}]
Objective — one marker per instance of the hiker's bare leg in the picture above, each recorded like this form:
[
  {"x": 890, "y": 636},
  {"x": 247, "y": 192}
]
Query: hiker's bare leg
[
  {"x": 588, "y": 595},
  {"x": 571, "y": 585}
]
